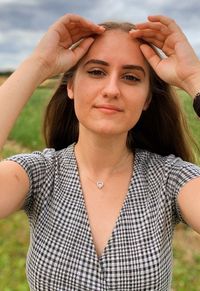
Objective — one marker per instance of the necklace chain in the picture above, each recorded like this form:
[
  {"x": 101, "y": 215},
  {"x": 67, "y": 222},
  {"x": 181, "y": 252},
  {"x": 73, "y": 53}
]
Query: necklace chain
[{"x": 100, "y": 184}]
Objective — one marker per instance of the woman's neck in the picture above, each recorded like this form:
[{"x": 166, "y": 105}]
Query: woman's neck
[{"x": 102, "y": 155}]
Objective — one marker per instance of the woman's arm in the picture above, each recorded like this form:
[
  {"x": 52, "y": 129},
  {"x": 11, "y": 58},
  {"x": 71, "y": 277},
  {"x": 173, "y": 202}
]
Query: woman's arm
[
  {"x": 189, "y": 203},
  {"x": 52, "y": 56},
  {"x": 14, "y": 186},
  {"x": 16, "y": 91}
]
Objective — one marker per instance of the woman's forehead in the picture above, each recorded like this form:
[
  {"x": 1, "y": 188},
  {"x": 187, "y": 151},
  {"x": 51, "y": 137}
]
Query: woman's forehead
[{"x": 116, "y": 45}]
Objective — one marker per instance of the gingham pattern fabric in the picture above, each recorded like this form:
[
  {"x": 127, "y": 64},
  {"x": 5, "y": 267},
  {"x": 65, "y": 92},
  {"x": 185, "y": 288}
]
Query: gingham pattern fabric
[{"x": 138, "y": 255}]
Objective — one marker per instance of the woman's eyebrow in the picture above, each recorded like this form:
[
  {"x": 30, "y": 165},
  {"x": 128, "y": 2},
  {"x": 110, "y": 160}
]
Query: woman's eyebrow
[
  {"x": 134, "y": 67},
  {"x": 127, "y": 67},
  {"x": 95, "y": 61}
]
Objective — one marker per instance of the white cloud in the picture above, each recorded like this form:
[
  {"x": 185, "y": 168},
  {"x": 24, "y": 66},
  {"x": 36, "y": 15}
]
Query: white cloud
[
  {"x": 15, "y": 46},
  {"x": 21, "y": 26},
  {"x": 20, "y": 2}
]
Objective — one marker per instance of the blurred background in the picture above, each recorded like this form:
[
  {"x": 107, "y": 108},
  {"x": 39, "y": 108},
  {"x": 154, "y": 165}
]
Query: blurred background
[{"x": 22, "y": 24}]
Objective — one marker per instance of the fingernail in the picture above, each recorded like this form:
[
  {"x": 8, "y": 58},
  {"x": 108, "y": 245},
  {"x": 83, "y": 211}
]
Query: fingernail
[{"x": 102, "y": 27}]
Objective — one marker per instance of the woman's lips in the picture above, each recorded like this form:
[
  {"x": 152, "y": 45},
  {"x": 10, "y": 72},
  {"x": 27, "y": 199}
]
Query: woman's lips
[{"x": 108, "y": 108}]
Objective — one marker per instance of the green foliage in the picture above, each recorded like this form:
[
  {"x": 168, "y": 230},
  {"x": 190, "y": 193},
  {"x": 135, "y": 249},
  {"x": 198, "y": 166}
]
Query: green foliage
[
  {"x": 14, "y": 233},
  {"x": 27, "y": 130},
  {"x": 192, "y": 118},
  {"x": 13, "y": 248},
  {"x": 186, "y": 271},
  {"x": 186, "y": 259},
  {"x": 5, "y": 73}
]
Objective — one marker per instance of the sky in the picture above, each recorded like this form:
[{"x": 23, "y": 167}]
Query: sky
[{"x": 23, "y": 22}]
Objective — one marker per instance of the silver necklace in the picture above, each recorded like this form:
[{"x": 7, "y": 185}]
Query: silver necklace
[{"x": 100, "y": 184}]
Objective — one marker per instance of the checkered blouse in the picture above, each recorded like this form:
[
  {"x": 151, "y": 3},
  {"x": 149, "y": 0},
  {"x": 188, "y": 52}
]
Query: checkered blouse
[{"x": 138, "y": 255}]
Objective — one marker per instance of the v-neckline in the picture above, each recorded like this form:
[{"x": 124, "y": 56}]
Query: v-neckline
[{"x": 117, "y": 221}]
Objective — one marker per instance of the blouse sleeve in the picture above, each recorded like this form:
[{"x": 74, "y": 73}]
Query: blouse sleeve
[
  {"x": 178, "y": 174},
  {"x": 39, "y": 167}
]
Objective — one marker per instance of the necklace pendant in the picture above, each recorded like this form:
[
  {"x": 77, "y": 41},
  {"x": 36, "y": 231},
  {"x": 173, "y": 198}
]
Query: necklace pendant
[{"x": 100, "y": 184}]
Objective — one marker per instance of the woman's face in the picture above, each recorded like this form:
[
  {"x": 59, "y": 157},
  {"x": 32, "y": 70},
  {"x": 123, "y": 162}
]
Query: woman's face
[{"x": 111, "y": 85}]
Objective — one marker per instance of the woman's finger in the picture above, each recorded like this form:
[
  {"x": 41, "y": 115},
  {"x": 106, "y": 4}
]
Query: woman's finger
[
  {"x": 157, "y": 27},
  {"x": 81, "y": 49},
  {"x": 71, "y": 28},
  {"x": 149, "y": 25},
  {"x": 152, "y": 57},
  {"x": 169, "y": 22},
  {"x": 69, "y": 19},
  {"x": 148, "y": 34},
  {"x": 156, "y": 43}
]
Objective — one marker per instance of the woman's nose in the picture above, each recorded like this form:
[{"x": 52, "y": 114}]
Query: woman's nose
[{"x": 111, "y": 88}]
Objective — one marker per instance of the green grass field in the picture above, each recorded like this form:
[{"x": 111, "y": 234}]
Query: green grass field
[{"x": 14, "y": 233}]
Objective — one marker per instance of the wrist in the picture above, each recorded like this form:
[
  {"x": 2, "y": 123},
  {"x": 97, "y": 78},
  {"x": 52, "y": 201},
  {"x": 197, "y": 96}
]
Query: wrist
[
  {"x": 192, "y": 84},
  {"x": 39, "y": 68}
]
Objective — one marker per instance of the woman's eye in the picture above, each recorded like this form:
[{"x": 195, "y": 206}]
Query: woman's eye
[
  {"x": 96, "y": 73},
  {"x": 131, "y": 78}
]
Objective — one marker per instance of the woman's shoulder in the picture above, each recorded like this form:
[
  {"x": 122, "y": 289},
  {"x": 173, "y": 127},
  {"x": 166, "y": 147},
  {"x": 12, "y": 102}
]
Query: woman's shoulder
[
  {"x": 163, "y": 162},
  {"x": 167, "y": 172},
  {"x": 48, "y": 157},
  {"x": 149, "y": 157}
]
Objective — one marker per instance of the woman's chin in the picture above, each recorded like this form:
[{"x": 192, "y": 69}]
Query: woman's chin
[{"x": 108, "y": 132}]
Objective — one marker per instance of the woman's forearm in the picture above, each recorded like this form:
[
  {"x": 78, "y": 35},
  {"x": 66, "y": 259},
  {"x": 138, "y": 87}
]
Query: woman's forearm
[{"x": 16, "y": 91}]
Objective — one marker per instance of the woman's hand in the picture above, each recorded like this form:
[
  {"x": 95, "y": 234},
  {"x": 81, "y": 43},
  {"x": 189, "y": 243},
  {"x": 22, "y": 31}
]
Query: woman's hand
[
  {"x": 54, "y": 48},
  {"x": 180, "y": 66}
]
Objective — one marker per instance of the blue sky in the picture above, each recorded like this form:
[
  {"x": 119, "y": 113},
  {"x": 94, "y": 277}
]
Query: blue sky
[{"x": 23, "y": 22}]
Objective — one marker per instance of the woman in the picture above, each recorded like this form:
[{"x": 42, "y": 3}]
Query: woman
[{"x": 103, "y": 201}]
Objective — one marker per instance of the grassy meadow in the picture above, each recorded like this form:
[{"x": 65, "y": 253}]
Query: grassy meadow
[{"x": 14, "y": 233}]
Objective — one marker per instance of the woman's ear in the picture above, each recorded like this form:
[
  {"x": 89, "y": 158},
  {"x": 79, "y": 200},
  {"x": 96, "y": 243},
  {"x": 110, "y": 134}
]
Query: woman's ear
[{"x": 70, "y": 89}]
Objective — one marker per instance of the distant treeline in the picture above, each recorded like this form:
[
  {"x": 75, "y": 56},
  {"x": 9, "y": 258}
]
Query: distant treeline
[
  {"x": 5, "y": 73},
  {"x": 8, "y": 73}
]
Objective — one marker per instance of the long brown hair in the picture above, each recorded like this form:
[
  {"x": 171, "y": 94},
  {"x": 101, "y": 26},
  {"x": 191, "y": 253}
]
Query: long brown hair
[{"x": 162, "y": 128}]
